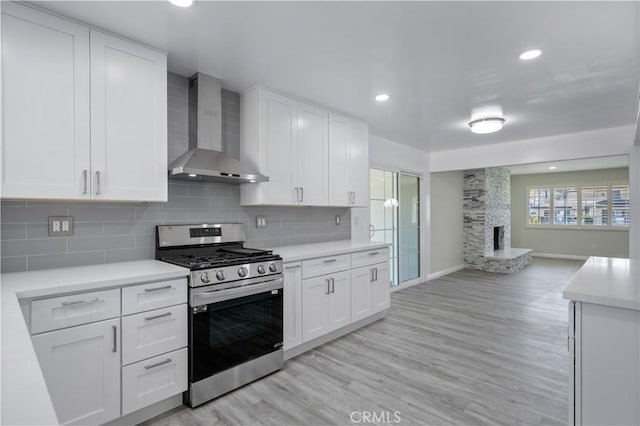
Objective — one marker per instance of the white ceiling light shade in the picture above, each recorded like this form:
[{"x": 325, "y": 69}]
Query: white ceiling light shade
[
  {"x": 381, "y": 97},
  {"x": 483, "y": 126},
  {"x": 181, "y": 3},
  {"x": 530, "y": 54},
  {"x": 552, "y": 167}
]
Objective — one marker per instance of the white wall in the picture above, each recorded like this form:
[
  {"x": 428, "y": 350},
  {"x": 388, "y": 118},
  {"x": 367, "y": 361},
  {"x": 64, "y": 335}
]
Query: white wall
[
  {"x": 572, "y": 242},
  {"x": 446, "y": 244},
  {"x": 390, "y": 155},
  {"x": 597, "y": 143}
]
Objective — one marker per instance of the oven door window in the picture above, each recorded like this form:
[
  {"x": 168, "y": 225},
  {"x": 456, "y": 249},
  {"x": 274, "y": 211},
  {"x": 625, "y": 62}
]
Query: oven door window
[{"x": 232, "y": 332}]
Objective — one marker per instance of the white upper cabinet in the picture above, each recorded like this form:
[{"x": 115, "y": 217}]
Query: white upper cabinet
[
  {"x": 311, "y": 156},
  {"x": 84, "y": 112},
  {"x": 45, "y": 105},
  {"x": 313, "y": 152},
  {"x": 128, "y": 120},
  {"x": 348, "y": 162},
  {"x": 287, "y": 141}
]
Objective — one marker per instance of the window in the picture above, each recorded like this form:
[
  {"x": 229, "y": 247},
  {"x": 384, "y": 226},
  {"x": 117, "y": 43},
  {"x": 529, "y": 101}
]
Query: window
[
  {"x": 579, "y": 206},
  {"x": 539, "y": 205},
  {"x": 395, "y": 218},
  {"x": 595, "y": 205},
  {"x": 620, "y": 205},
  {"x": 565, "y": 206}
]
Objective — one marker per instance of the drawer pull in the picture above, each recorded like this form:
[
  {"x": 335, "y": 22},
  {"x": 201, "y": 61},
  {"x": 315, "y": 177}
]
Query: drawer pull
[
  {"x": 373, "y": 253},
  {"x": 166, "y": 314},
  {"x": 81, "y": 302},
  {"x": 157, "y": 364},
  {"x": 166, "y": 287},
  {"x": 115, "y": 338},
  {"x": 292, "y": 267},
  {"x": 329, "y": 261}
]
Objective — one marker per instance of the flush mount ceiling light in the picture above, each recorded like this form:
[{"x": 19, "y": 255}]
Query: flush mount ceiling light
[
  {"x": 181, "y": 3},
  {"x": 382, "y": 97},
  {"x": 193, "y": 175},
  {"x": 552, "y": 167},
  {"x": 530, "y": 54},
  {"x": 486, "y": 125}
]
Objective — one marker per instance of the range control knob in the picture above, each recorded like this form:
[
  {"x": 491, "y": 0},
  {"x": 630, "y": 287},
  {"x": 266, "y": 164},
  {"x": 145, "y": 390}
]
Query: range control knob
[
  {"x": 220, "y": 275},
  {"x": 204, "y": 277},
  {"x": 273, "y": 267},
  {"x": 242, "y": 272},
  {"x": 261, "y": 269}
]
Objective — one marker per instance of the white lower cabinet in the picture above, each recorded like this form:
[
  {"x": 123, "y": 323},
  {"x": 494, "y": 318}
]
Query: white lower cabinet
[
  {"x": 150, "y": 333},
  {"x": 83, "y": 363},
  {"x": 324, "y": 294},
  {"x": 326, "y": 304},
  {"x": 380, "y": 288},
  {"x": 153, "y": 380},
  {"x": 81, "y": 366},
  {"x": 292, "y": 310},
  {"x": 369, "y": 290}
]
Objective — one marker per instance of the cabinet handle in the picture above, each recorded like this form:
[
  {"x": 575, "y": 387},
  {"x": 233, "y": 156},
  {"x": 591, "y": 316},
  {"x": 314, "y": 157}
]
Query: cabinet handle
[
  {"x": 167, "y": 314},
  {"x": 81, "y": 302},
  {"x": 302, "y": 194},
  {"x": 328, "y": 281},
  {"x": 297, "y": 194},
  {"x": 84, "y": 179},
  {"x": 373, "y": 253},
  {"x": 157, "y": 364},
  {"x": 376, "y": 273},
  {"x": 333, "y": 285},
  {"x": 115, "y": 338},
  {"x": 329, "y": 261},
  {"x": 97, "y": 182},
  {"x": 292, "y": 267},
  {"x": 158, "y": 288},
  {"x": 371, "y": 279}
]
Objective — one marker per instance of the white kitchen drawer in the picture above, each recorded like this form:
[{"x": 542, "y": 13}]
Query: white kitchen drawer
[
  {"x": 146, "y": 297},
  {"x": 325, "y": 265},
  {"x": 154, "y": 332},
  {"x": 153, "y": 380},
  {"x": 66, "y": 311},
  {"x": 369, "y": 257}
]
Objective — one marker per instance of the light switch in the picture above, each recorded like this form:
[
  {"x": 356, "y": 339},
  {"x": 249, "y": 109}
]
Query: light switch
[
  {"x": 261, "y": 222},
  {"x": 337, "y": 219},
  {"x": 60, "y": 226}
]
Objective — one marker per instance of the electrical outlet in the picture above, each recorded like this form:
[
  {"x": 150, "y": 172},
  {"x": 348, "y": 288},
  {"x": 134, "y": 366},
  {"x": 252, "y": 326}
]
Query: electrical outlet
[
  {"x": 261, "y": 222},
  {"x": 60, "y": 226}
]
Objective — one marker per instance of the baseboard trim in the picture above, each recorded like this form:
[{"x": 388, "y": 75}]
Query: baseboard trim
[
  {"x": 559, "y": 256},
  {"x": 444, "y": 272},
  {"x": 297, "y": 350},
  {"x": 149, "y": 412}
]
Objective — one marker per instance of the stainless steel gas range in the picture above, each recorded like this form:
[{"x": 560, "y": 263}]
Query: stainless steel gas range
[{"x": 235, "y": 306}]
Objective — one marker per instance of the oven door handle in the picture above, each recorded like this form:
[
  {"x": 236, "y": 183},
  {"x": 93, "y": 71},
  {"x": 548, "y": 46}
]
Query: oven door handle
[{"x": 213, "y": 296}]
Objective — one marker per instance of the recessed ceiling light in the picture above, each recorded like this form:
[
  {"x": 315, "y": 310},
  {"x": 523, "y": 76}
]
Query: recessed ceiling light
[
  {"x": 193, "y": 175},
  {"x": 382, "y": 97},
  {"x": 530, "y": 54},
  {"x": 552, "y": 167},
  {"x": 486, "y": 125},
  {"x": 181, "y": 3}
]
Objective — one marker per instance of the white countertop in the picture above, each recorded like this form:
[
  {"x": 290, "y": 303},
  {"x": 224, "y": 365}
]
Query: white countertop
[
  {"x": 25, "y": 398},
  {"x": 331, "y": 248},
  {"x": 607, "y": 281}
]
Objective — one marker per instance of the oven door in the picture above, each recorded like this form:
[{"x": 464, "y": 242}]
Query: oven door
[{"x": 234, "y": 325}]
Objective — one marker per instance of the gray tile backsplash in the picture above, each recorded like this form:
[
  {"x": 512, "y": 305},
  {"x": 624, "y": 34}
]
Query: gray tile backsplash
[{"x": 114, "y": 232}]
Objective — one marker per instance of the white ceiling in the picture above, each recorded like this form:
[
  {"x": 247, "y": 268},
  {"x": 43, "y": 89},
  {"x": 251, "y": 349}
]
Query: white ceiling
[
  {"x": 438, "y": 60},
  {"x": 611, "y": 162}
]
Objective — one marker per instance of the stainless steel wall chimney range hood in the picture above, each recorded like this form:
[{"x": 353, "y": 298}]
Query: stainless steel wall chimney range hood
[{"x": 205, "y": 160}]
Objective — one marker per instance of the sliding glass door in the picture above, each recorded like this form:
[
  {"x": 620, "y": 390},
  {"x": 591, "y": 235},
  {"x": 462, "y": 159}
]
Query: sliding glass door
[{"x": 395, "y": 219}]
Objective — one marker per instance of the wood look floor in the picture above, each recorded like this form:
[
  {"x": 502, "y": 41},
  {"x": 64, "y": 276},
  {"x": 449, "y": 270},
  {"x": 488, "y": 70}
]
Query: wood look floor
[{"x": 470, "y": 348}]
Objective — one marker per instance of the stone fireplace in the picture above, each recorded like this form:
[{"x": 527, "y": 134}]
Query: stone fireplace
[{"x": 487, "y": 222}]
